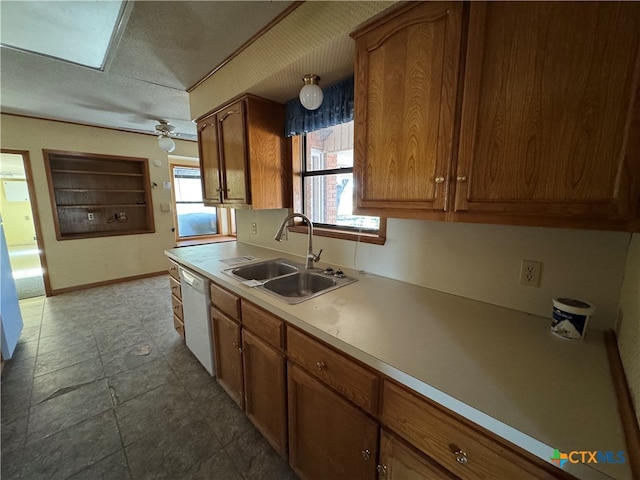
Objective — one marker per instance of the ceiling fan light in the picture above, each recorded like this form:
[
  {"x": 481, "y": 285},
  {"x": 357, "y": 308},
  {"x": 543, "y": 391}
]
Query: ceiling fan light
[
  {"x": 311, "y": 93},
  {"x": 166, "y": 143}
]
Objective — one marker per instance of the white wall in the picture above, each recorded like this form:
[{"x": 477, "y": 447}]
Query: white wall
[
  {"x": 84, "y": 261},
  {"x": 16, "y": 216},
  {"x": 629, "y": 322},
  {"x": 476, "y": 261}
]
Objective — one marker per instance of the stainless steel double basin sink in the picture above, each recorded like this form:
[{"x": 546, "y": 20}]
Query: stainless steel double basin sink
[{"x": 288, "y": 281}]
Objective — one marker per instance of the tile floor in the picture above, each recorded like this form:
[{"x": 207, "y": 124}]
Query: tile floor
[{"x": 102, "y": 387}]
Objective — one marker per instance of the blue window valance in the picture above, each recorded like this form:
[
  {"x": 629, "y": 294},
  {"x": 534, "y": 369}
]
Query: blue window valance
[{"x": 337, "y": 107}]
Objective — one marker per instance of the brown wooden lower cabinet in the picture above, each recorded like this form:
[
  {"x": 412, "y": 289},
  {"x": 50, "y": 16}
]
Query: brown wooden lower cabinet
[
  {"x": 399, "y": 461},
  {"x": 265, "y": 390},
  {"x": 228, "y": 353},
  {"x": 329, "y": 438},
  {"x": 321, "y": 407},
  {"x": 176, "y": 298},
  {"x": 461, "y": 447}
]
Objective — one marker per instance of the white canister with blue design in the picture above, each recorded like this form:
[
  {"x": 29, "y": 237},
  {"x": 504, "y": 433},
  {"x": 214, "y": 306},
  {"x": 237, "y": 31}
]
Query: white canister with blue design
[{"x": 570, "y": 318}]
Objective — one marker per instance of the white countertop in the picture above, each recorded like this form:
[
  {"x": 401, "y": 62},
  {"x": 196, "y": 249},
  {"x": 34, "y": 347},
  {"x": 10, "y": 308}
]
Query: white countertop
[{"x": 500, "y": 368}]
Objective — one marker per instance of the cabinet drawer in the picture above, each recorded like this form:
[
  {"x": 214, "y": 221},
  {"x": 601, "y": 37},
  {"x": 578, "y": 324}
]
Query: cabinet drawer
[
  {"x": 178, "y": 325},
  {"x": 356, "y": 383},
  {"x": 265, "y": 325},
  {"x": 177, "y": 307},
  {"x": 173, "y": 270},
  {"x": 442, "y": 436},
  {"x": 180, "y": 331},
  {"x": 225, "y": 301},
  {"x": 175, "y": 287}
]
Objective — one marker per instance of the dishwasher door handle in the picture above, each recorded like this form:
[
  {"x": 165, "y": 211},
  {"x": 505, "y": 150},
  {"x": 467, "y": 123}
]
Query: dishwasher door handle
[{"x": 190, "y": 278}]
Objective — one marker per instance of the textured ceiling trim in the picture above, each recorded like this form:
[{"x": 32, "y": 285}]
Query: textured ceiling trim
[
  {"x": 305, "y": 30},
  {"x": 246, "y": 44},
  {"x": 124, "y": 130},
  {"x": 118, "y": 33}
]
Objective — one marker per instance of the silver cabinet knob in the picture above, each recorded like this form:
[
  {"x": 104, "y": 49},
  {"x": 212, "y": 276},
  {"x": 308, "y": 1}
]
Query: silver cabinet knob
[
  {"x": 439, "y": 179},
  {"x": 382, "y": 470},
  {"x": 366, "y": 454},
  {"x": 320, "y": 366},
  {"x": 237, "y": 345},
  {"x": 461, "y": 178},
  {"x": 461, "y": 457}
]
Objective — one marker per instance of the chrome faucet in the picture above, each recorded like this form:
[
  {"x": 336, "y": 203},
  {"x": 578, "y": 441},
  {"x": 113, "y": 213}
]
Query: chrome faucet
[{"x": 311, "y": 257}]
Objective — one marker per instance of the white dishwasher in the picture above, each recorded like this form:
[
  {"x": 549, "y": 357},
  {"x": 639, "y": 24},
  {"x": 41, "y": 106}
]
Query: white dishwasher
[{"x": 197, "y": 327}]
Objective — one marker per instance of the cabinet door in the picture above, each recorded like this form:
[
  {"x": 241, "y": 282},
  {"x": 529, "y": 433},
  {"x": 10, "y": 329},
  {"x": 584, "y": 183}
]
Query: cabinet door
[
  {"x": 228, "y": 352},
  {"x": 398, "y": 461},
  {"x": 265, "y": 390},
  {"x": 209, "y": 160},
  {"x": 550, "y": 114},
  {"x": 233, "y": 154},
  {"x": 328, "y": 437},
  {"x": 406, "y": 86}
]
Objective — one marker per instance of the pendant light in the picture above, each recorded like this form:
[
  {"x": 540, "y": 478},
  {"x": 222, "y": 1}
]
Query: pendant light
[
  {"x": 311, "y": 93},
  {"x": 165, "y": 142}
]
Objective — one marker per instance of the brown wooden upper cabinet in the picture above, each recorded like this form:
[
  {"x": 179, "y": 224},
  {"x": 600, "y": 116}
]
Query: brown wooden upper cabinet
[
  {"x": 538, "y": 125},
  {"x": 406, "y": 80},
  {"x": 242, "y": 155}
]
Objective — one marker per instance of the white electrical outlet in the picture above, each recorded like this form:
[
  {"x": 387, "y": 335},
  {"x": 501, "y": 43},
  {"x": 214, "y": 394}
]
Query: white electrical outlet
[
  {"x": 254, "y": 228},
  {"x": 530, "y": 272},
  {"x": 90, "y": 216}
]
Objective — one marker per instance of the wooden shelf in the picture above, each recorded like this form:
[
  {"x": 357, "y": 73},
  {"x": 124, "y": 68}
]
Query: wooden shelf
[
  {"x": 77, "y": 236},
  {"x": 115, "y": 190},
  {"x": 113, "y": 205},
  {"x": 104, "y": 186},
  {"x": 89, "y": 172}
]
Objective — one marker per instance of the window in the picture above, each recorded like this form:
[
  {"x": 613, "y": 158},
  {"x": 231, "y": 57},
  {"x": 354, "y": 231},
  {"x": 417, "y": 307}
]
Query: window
[
  {"x": 192, "y": 218},
  {"x": 327, "y": 183}
]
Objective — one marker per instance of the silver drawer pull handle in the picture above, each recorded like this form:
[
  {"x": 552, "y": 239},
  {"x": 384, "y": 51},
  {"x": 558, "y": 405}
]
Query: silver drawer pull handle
[
  {"x": 366, "y": 454},
  {"x": 320, "y": 366},
  {"x": 461, "y": 457},
  {"x": 230, "y": 112},
  {"x": 382, "y": 470}
]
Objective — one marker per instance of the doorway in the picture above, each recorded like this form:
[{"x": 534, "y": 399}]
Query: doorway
[{"x": 21, "y": 225}]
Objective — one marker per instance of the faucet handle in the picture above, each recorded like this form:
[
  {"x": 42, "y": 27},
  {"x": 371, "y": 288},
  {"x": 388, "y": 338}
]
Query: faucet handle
[{"x": 316, "y": 256}]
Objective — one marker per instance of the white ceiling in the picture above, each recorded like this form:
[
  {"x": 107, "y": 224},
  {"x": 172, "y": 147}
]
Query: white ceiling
[{"x": 166, "y": 47}]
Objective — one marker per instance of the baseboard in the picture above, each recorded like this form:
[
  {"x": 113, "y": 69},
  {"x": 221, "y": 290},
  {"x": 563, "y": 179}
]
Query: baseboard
[
  {"x": 625, "y": 404},
  {"x": 58, "y": 291}
]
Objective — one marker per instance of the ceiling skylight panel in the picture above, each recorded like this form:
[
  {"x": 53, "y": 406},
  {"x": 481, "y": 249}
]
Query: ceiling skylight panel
[{"x": 74, "y": 31}]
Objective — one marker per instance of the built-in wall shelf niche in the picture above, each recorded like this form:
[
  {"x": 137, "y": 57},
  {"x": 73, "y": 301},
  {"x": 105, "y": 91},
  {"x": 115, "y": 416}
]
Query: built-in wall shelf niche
[{"x": 98, "y": 195}]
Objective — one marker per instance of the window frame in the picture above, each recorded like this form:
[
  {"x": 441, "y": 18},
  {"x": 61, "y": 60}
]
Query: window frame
[
  {"x": 297, "y": 146},
  {"x": 227, "y": 218}
]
